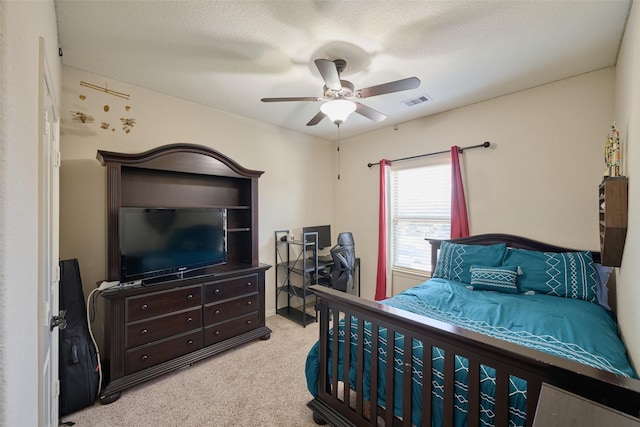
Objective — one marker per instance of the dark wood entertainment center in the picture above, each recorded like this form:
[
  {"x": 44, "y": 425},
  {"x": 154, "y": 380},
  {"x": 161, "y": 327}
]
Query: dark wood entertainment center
[{"x": 153, "y": 329}]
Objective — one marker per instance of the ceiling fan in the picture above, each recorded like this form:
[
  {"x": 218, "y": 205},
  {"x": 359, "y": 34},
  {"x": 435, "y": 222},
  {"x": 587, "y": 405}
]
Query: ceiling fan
[{"x": 339, "y": 94}]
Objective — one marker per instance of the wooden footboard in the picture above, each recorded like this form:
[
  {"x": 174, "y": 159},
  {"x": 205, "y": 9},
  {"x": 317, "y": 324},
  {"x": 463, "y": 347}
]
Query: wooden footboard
[{"x": 345, "y": 405}]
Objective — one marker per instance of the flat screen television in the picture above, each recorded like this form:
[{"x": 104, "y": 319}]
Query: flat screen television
[
  {"x": 158, "y": 242},
  {"x": 324, "y": 235}
]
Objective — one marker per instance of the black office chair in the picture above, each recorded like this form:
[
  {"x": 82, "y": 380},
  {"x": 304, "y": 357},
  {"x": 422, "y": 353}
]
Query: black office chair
[{"x": 340, "y": 276}]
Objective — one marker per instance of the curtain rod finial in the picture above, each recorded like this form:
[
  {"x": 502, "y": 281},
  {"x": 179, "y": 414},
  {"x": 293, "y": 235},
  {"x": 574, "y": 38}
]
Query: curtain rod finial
[{"x": 486, "y": 144}]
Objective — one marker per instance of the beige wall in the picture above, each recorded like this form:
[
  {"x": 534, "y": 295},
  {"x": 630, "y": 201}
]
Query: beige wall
[
  {"x": 627, "y": 113},
  {"x": 295, "y": 190},
  {"x": 540, "y": 180},
  {"x": 22, "y": 26}
]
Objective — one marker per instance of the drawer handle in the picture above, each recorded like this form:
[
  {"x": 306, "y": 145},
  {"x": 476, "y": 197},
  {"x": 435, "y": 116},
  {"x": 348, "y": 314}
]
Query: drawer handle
[
  {"x": 216, "y": 312},
  {"x": 144, "y": 307},
  {"x": 249, "y": 284},
  {"x": 190, "y": 296},
  {"x": 189, "y": 319},
  {"x": 144, "y": 357},
  {"x": 216, "y": 333},
  {"x": 217, "y": 291},
  {"x": 249, "y": 302},
  {"x": 189, "y": 342},
  {"x": 144, "y": 331},
  {"x": 248, "y": 322}
]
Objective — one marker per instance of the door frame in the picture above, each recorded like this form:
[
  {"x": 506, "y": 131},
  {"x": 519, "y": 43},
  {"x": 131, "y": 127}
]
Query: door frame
[{"x": 48, "y": 242}]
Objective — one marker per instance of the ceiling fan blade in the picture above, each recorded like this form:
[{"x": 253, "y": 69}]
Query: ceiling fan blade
[
  {"x": 305, "y": 98},
  {"x": 316, "y": 119},
  {"x": 369, "y": 113},
  {"x": 397, "y": 86},
  {"x": 329, "y": 73}
]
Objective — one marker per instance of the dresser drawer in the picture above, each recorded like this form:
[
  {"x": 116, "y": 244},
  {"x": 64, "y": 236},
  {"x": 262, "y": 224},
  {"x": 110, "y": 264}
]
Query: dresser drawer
[
  {"x": 218, "y": 291},
  {"x": 231, "y": 328},
  {"x": 151, "y": 354},
  {"x": 156, "y": 328},
  {"x": 215, "y": 313},
  {"x": 150, "y": 305}
]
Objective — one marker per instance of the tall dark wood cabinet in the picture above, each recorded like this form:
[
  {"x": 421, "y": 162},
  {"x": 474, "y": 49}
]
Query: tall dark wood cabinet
[{"x": 155, "y": 329}]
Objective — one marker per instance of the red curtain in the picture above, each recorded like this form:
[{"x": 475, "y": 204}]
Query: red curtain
[
  {"x": 459, "y": 219},
  {"x": 381, "y": 278}
]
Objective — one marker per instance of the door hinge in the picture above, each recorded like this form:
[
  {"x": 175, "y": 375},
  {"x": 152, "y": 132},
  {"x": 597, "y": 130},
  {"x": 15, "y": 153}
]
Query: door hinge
[
  {"x": 56, "y": 389},
  {"x": 57, "y": 160},
  {"x": 47, "y": 125},
  {"x": 55, "y": 276}
]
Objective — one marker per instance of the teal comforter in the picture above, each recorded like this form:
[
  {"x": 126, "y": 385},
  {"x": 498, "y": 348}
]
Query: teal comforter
[{"x": 575, "y": 329}]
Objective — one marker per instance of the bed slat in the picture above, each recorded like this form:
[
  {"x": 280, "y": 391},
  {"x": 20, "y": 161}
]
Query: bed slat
[
  {"x": 533, "y": 394},
  {"x": 407, "y": 381},
  {"x": 375, "y": 343},
  {"x": 334, "y": 355},
  {"x": 347, "y": 357},
  {"x": 427, "y": 385},
  {"x": 360, "y": 372},
  {"x": 473, "y": 392},
  {"x": 391, "y": 342},
  {"x": 449, "y": 384},
  {"x": 502, "y": 398}
]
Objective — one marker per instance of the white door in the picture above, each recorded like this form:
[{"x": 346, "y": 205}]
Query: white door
[{"x": 49, "y": 272}]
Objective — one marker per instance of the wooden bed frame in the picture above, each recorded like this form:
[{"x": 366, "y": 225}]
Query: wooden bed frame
[{"x": 344, "y": 406}]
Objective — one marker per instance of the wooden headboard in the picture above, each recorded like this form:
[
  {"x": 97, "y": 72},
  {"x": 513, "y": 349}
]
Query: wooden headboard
[{"x": 495, "y": 238}]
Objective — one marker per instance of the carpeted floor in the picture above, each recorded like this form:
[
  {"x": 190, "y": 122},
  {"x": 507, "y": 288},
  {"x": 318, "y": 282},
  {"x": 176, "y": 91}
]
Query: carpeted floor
[{"x": 261, "y": 383}]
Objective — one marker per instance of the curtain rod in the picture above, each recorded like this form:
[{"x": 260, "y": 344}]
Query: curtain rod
[{"x": 485, "y": 144}]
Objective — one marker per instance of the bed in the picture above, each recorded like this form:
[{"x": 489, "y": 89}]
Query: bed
[{"x": 501, "y": 316}]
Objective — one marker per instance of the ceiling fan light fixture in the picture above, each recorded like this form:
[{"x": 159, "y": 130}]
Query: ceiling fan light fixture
[{"x": 338, "y": 110}]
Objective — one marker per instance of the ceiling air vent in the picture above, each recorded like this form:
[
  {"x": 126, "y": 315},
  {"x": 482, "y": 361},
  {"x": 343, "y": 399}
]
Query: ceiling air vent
[{"x": 418, "y": 100}]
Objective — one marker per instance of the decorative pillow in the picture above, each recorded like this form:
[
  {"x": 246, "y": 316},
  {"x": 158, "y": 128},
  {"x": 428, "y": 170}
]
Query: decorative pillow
[
  {"x": 602, "y": 289},
  {"x": 455, "y": 259},
  {"x": 499, "y": 279},
  {"x": 565, "y": 274}
]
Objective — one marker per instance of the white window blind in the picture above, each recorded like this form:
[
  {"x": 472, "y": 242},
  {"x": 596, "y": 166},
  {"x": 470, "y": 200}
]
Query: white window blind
[{"x": 420, "y": 208}]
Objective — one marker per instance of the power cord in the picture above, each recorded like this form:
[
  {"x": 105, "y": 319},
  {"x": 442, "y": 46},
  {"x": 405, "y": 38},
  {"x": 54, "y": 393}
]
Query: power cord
[
  {"x": 89, "y": 321},
  {"x": 91, "y": 302}
]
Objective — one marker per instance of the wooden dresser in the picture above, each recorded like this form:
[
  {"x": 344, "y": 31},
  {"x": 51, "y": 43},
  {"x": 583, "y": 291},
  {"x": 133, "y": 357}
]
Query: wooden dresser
[
  {"x": 174, "y": 321},
  {"x": 152, "y": 330}
]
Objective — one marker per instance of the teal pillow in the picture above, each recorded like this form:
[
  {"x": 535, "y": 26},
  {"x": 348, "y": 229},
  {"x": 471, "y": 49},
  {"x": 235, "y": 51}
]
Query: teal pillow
[
  {"x": 499, "y": 279},
  {"x": 565, "y": 274},
  {"x": 455, "y": 259}
]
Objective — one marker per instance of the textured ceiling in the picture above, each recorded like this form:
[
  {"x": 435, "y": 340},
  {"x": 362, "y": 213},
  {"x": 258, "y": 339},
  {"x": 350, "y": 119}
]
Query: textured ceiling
[{"x": 230, "y": 54}]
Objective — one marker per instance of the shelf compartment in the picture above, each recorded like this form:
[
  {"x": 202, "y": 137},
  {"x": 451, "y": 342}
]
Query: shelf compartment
[
  {"x": 612, "y": 209},
  {"x": 296, "y": 315},
  {"x": 297, "y": 291},
  {"x": 294, "y": 266}
]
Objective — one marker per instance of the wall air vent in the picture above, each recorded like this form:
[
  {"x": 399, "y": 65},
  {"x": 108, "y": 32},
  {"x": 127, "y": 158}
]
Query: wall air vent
[{"x": 418, "y": 100}]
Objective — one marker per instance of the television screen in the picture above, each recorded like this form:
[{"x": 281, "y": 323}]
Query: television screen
[
  {"x": 324, "y": 235},
  {"x": 156, "y": 242}
]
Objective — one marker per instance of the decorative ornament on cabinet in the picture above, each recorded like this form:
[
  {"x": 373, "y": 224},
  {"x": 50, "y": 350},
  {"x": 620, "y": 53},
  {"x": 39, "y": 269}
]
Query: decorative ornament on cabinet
[{"x": 612, "y": 153}]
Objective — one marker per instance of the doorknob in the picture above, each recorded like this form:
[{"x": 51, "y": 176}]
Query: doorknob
[{"x": 59, "y": 321}]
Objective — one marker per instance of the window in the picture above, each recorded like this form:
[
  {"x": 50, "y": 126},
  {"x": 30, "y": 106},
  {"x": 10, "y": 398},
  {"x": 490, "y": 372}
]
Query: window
[{"x": 420, "y": 208}]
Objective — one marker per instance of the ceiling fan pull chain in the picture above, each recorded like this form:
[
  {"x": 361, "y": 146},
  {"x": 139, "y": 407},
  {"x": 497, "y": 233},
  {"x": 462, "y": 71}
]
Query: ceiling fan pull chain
[{"x": 338, "y": 153}]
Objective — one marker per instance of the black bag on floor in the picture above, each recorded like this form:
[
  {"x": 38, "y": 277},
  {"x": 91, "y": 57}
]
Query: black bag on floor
[{"x": 78, "y": 361}]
